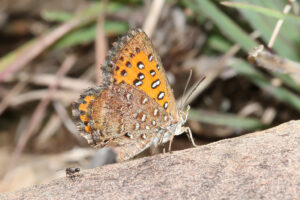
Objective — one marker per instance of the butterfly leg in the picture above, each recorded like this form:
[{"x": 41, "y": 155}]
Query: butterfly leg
[
  {"x": 170, "y": 142},
  {"x": 189, "y": 135}
]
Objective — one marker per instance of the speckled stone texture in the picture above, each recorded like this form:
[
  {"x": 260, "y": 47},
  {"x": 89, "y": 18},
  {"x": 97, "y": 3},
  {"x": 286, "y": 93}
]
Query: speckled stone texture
[{"x": 261, "y": 165}]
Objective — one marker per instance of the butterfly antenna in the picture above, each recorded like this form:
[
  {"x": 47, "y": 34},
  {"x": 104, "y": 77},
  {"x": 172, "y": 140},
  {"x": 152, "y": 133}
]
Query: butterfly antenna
[
  {"x": 185, "y": 88},
  {"x": 193, "y": 90}
]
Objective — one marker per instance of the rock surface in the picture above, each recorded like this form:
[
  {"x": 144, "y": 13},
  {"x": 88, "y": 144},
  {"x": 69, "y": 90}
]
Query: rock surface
[{"x": 261, "y": 165}]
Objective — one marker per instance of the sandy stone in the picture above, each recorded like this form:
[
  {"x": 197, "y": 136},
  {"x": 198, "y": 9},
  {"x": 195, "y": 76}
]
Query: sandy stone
[{"x": 261, "y": 165}]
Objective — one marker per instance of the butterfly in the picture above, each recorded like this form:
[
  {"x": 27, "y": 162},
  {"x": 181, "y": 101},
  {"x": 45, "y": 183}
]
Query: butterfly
[{"x": 134, "y": 107}]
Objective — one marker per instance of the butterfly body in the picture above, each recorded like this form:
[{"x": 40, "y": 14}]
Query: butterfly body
[{"x": 135, "y": 107}]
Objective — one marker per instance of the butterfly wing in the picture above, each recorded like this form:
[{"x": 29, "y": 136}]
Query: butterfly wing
[
  {"x": 134, "y": 61},
  {"x": 120, "y": 116},
  {"x": 133, "y": 107}
]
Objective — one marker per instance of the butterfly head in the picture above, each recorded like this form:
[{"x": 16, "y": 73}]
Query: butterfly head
[
  {"x": 176, "y": 125},
  {"x": 183, "y": 116}
]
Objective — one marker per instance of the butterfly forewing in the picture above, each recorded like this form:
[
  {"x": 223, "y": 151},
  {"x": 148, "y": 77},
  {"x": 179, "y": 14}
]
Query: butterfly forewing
[{"x": 136, "y": 63}]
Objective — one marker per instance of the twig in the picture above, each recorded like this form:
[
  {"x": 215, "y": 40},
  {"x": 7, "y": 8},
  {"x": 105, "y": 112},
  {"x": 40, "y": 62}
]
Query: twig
[
  {"x": 267, "y": 60},
  {"x": 153, "y": 16},
  {"x": 39, "y": 112},
  {"x": 15, "y": 90},
  {"x": 101, "y": 43},
  {"x": 65, "y": 96},
  {"x": 53, "y": 124},
  {"x": 210, "y": 77},
  {"x": 43, "y": 79},
  {"x": 38, "y": 47},
  {"x": 279, "y": 23},
  {"x": 31, "y": 50},
  {"x": 65, "y": 118},
  {"x": 295, "y": 7}
]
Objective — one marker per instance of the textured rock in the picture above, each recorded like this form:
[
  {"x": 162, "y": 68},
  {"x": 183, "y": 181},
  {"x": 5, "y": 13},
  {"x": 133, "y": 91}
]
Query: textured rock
[{"x": 262, "y": 165}]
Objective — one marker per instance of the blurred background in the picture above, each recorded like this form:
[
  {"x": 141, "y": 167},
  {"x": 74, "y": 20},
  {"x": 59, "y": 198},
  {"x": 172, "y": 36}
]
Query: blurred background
[{"x": 50, "y": 51}]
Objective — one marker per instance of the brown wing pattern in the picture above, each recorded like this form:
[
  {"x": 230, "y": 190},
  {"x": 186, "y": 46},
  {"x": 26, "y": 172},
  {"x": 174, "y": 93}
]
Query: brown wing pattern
[{"x": 121, "y": 116}]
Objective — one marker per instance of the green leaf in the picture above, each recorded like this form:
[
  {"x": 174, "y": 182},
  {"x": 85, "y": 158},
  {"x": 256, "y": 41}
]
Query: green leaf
[
  {"x": 229, "y": 28},
  {"x": 288, "y": 37},
  {"x": 258, "y": 78},
  {"x": 265, "y": 11},
  {"x": 228, "y": 120},
  {"x": 88, "y": 34},
  {"x": 88, "y": 16},
  {"x": 56, "y": 16},
  {"x": 218, "y": 43}
]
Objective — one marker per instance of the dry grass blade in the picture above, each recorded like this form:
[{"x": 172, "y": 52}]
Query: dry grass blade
[
  {"x": 267, "y": 60},
  {"x": 101, "y": 43},
  {"x": 65, "y": 96},
  {"x": 38, "y": 114},
  {"x": 65, "y": 118},
  {"x": 286, "y": 10},
  {"x": 29, "y": 51},
  {"x": 53, "y": 124},
  {"x": 295, "y": 7},
  {"x": 43, "y": 79},
  {"x": 209, "y": 78},
  {"x": 39, "y": 46},
  {"x": 153, "y": 16},
  {"x": 6, "y": 100}
]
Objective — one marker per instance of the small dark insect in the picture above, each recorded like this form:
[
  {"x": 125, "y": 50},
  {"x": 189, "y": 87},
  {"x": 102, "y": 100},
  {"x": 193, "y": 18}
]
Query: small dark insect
[{"x": 72, "y": 172}]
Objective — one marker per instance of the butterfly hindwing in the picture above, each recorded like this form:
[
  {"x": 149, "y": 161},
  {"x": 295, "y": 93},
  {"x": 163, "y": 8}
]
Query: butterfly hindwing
[{"x": 116, "y": 112}]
